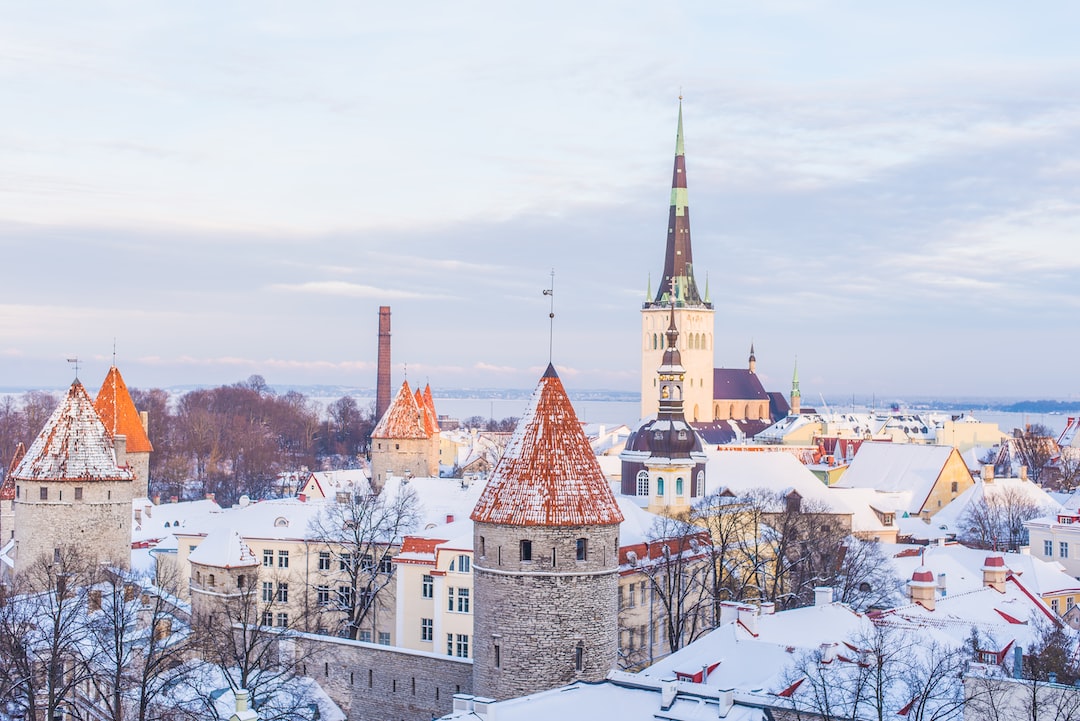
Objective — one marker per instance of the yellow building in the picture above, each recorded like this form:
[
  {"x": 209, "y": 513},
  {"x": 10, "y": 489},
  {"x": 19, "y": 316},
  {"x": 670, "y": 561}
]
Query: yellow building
[{"x": 930, "y": 476}]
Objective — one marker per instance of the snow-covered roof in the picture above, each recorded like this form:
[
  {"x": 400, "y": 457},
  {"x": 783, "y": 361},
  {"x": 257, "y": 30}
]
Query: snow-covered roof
[
  {"x": 1023, "y": 490},
  {"x": 898, "y": 467},
  {"x": 224, "y": 548},
  {"x": 548, "y": 474},
  {"x": 403, "y": 419},
  {"x": 74, "y": 445},
  {"x": 158, "y": 522},
  {"x": 118, "y": 413}
]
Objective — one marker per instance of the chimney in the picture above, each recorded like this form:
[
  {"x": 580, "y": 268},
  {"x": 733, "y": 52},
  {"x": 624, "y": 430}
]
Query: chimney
[
  {"x": 748, "y": 616},
  {"x": 941, "y": 584},
  {"x": 823, "y": 595},
  {"x": 922, "y": 588},
  {"x": 303, "y": 498},
  {"x": 174, "y": 499},
  {"x": 120, "y": 445},
  {"x": 156, "y": 499},
  {"x": 729, "y": 611},
  {"x": 994, "y": 572},
  {"x": 382, "y": 378},
  {"x": 1023, "y": 473},
  {"x": 483, "y": 708},
  {"x": 449, "y": 517},
  {"x": 768, "y": 608},
  {"x": 988, "y": 473},
  {"x": 243, "y": 713},
  {"x": 144, "y": 419}
]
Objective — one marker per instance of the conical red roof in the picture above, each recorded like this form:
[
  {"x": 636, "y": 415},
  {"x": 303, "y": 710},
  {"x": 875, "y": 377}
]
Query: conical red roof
[
  {"x": 7, "y": 490},
  {"x": 403, "y": 419},
  {"x": 548, "y": 475},
  {"x": 74, "y": 445},
  {"x": 430, "y": 403},
  {"x": 117, "y": 411}
]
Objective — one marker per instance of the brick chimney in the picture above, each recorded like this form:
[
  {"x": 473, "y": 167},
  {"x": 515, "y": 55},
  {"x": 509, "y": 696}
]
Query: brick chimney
[
  {"x": 922, "y": 588},
  {"x": 382, "y": 378},
  {"x": 994, "y": 572}
]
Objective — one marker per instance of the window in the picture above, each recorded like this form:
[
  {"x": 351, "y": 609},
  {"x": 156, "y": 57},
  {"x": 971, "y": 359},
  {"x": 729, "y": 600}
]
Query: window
[
  {"x": 282, "y": 620},
  {"x": 283, "y": 592},
  {"x": 322, "y": 595},
  {"x": 887, "y": 519},
  {"x": 1069, "y": 603},
  {"x": 365, "y": 636},
  {"x": 526, "y": 550},
  {"x": 43, "y": 492},
  {"x": 1054, "y": 605},
  {"x": 678, "y": 486},
  {"x": 324, "y": 560},
  {"x": 643, "y": 590},
  {"x": 78, "y": 493},
  {"x": 631, "y": 596},
  {"x": 268, "y": 592},
  {"x": 461, "y": 648},
  {"x": 582, "y": 549},
  {"x": 240, "y": 581},
  {"x": 955, "y": 487},
  {"x": 427, "y": 587},
  {"x": 1048, "y": 548},
  {"x": 659, "y": 486},
  {"x": 1063, "y": 548},
  {"x": 450, "y": 600},
  {"x": 700, "y": 483},
  {"x": 345, "y": 597},
  {"x": 386, "y": 564},
  {"x": 282, "y": 559},
  {"x": 463, "y": 564},
  {"x": 367, "y": 562},
  {"x": 268, "y": 558},
  {"x": 427, "y": 629},
  {"x": 463, "y": 600},
  {"x": 449, "y": 644},
  {"x": 643, "y": 483},
  {"x": 579, "y": 657},
  {"x": 268, "y": 618},
  {"x": 344, "y": 561},
  {"x": 212, "y": 579},
  {"x": 384, "y": 638},
  {"x": 483, "y": 547},
  {"x": 498, "y": 657}
]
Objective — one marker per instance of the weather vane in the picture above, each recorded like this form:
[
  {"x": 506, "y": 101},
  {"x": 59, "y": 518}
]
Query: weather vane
[
  {"x": 550, "y": 292},
  {"x": 75, "y": 362}
]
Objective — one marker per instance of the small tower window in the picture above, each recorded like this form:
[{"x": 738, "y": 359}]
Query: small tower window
[
  {"x": 579, "y": 657},
  {"x": 659, "y": 486},
  {"x": 44, "y": 493},
  {"x": 483, "y": 547},
  {"x": 582, "y": 549},
  {"x": 78, "y": 493},
  {"x": 643, "y": 483},
  {"x": 526, "y": 550}
]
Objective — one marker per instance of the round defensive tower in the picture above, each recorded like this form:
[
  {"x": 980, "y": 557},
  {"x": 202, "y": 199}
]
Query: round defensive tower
[{"x": 545, "y": 548}]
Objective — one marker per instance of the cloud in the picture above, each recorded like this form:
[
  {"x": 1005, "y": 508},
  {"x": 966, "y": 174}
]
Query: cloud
[{"x": 354, "y": 290}]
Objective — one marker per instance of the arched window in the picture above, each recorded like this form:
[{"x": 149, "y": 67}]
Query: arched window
[
  {"x": 678, "y": 486},
  {"x": 211, "y": 579},
  {"x": 643, "y": 483},
  {"x": 700, "y": 483},
  {"x": 659, "y": 486}
]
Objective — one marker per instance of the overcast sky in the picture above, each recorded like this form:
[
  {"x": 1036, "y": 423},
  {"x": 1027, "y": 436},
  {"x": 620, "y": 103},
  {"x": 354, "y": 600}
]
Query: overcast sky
[{"x": 888, "y": 191}]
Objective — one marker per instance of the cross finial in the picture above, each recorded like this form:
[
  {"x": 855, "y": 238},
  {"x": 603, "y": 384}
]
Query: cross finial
[{"x": 550, "y": 292}]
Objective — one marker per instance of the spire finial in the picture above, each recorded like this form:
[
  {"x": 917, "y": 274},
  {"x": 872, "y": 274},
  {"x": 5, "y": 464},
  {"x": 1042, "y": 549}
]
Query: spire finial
[
  {"x": 550, "y": 292},
  {"x": 114, "y": 351},
  {"x": 405, "y": 369},
  {"x": 74, "y": 360},
  {"x": 679, "y": 148}
]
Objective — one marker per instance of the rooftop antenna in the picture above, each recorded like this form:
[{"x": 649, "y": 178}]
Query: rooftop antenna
[
  {"x": 75, "y": 362},
  {"x": 550, "y": 292}
]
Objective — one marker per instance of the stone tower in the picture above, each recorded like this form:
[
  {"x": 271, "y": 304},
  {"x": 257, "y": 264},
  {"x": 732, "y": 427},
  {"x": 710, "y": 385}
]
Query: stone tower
[
  {"x": 545, "y": 550},
  {"x": 664, "y": 459},
  {"x": 7, "y": 497},
  {"x": 118, "y": 413},
  {"x": 223, "y": 568},
  {"x": 406, "y": 438},
  {"x": 694, "y": 315},
  {"x": 73, "y": 488}
]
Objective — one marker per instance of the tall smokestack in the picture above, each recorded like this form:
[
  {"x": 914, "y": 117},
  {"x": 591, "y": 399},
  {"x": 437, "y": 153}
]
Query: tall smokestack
[{"x": 382, "y": 381}]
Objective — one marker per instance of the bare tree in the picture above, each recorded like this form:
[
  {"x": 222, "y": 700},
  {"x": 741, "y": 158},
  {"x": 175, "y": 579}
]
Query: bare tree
[
  {"x": 356, "y": 534},
  {"x": 866, "y": 579},
  {"x": 1034, "y": 447},
  {"x": 996, "y": 521},
  {"x": 677, "y": 569}
]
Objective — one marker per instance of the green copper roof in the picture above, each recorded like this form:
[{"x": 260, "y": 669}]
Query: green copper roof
[{"x": 679, "y": 150}]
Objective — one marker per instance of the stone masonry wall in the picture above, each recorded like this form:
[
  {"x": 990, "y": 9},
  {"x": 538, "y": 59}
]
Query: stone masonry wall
[
  {"x": 398, "y": 455},
  {"x": 99, "y": 523},
  {"x": 531, "y": 616},
  {"x": 383, "y": 683}
]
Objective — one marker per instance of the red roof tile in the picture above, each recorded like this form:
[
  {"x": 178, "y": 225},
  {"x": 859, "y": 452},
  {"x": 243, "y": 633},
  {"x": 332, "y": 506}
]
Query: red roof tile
[
  {"x": 74, "y": 445},
  {"x": 7, "y": 490},
  {"x": 117, "y": 411},
  {"x": 430, "y": 403},
  {"x": 548, "y": 475},
  {"x": 403, "y": 419}
]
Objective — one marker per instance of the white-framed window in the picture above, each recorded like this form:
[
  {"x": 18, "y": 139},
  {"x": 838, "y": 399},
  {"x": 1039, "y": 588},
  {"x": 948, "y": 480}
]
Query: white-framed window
[
  {"x": 582, "y": 545},
  {"x": 282, "y": 619},
  {"x": 268, "y": 618},
  {"x": 268, "y": 592},
  {"x": 283, "y": 592},
  {"x": 283, "y": 559},
  {"x": 1048, "y": 549},
  {"x": 461, "y": 647},
  {"x": 678, "y": 486},
  {"x": 324, "y": 560},
  {"x": 384, "y": 638},
  {"x": 1063, "y": 549},
  {"x": 463, "y": 563},
  {"x": 659, "y": 486},
  {"x": 463, "y": 600},
  {"x": 268, "y": 558},
  {"x": 345, "y": 596},
  {"x": 700, "y": 483},
  {"x": 365, "y": 635},
  {"x": 427, "y": 629},
  {"x": 631, "y": 596},
  {"x": 450, "y": 599},
  {"x": 1054, "y": 605},
  {"x": 322, "y": 595},
  {"x": 643, "y": 483},
  {"x": 386, "y": 564},
  {"x": 427, "y": 586}
]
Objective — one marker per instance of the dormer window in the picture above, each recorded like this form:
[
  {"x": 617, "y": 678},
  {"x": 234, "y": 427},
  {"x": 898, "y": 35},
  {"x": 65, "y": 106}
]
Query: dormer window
[{"x": 281, "y": 522}]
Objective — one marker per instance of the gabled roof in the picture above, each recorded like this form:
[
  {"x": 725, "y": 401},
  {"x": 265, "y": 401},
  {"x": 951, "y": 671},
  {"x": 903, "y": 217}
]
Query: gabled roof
[
  {"x": 7, "y": 490},
  {"x": 74, "y": 445},
  {"x": 737, "y": 384},
  {"x": 118, "y": 413},
  {"x": 899, "y": 467},
  {"x": 548, "y": 475},
  {"x": 403, "y": 419}
]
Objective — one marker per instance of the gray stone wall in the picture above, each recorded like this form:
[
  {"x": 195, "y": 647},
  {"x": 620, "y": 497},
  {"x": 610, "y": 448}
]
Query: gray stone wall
[
  {"x": 99, "y": 523},
  {"x": 533, "y": 615},
  {"x": 383, "y": 683},
  {"x": 397, "y": 455},
  {"x": 139, "y": 463}
]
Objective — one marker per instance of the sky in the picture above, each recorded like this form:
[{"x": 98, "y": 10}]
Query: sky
[{"x": 887, "y": 192}]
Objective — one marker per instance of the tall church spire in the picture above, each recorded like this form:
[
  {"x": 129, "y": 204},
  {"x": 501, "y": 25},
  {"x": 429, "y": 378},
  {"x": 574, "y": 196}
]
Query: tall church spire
[{"x": 678, "y": 258}]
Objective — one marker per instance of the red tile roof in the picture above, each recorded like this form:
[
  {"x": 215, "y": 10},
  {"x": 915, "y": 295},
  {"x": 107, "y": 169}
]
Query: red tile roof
[
  {"x": 7, "y": 490},
  {"x": 74, "y": 445},
  {"x": 117, "y": 411},
  {"x": 548, "y": 475},
  {"x": 430, "y": 403},
  {"x": 403, "y": 419}
]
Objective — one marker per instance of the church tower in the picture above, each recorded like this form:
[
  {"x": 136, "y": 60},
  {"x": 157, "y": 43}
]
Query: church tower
[
  {"x": 796, "y": 394},
  {"x": 545, "y": 557},
  {"x": 693, "y": 314},
  {"x": 664, "y": 460}
]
